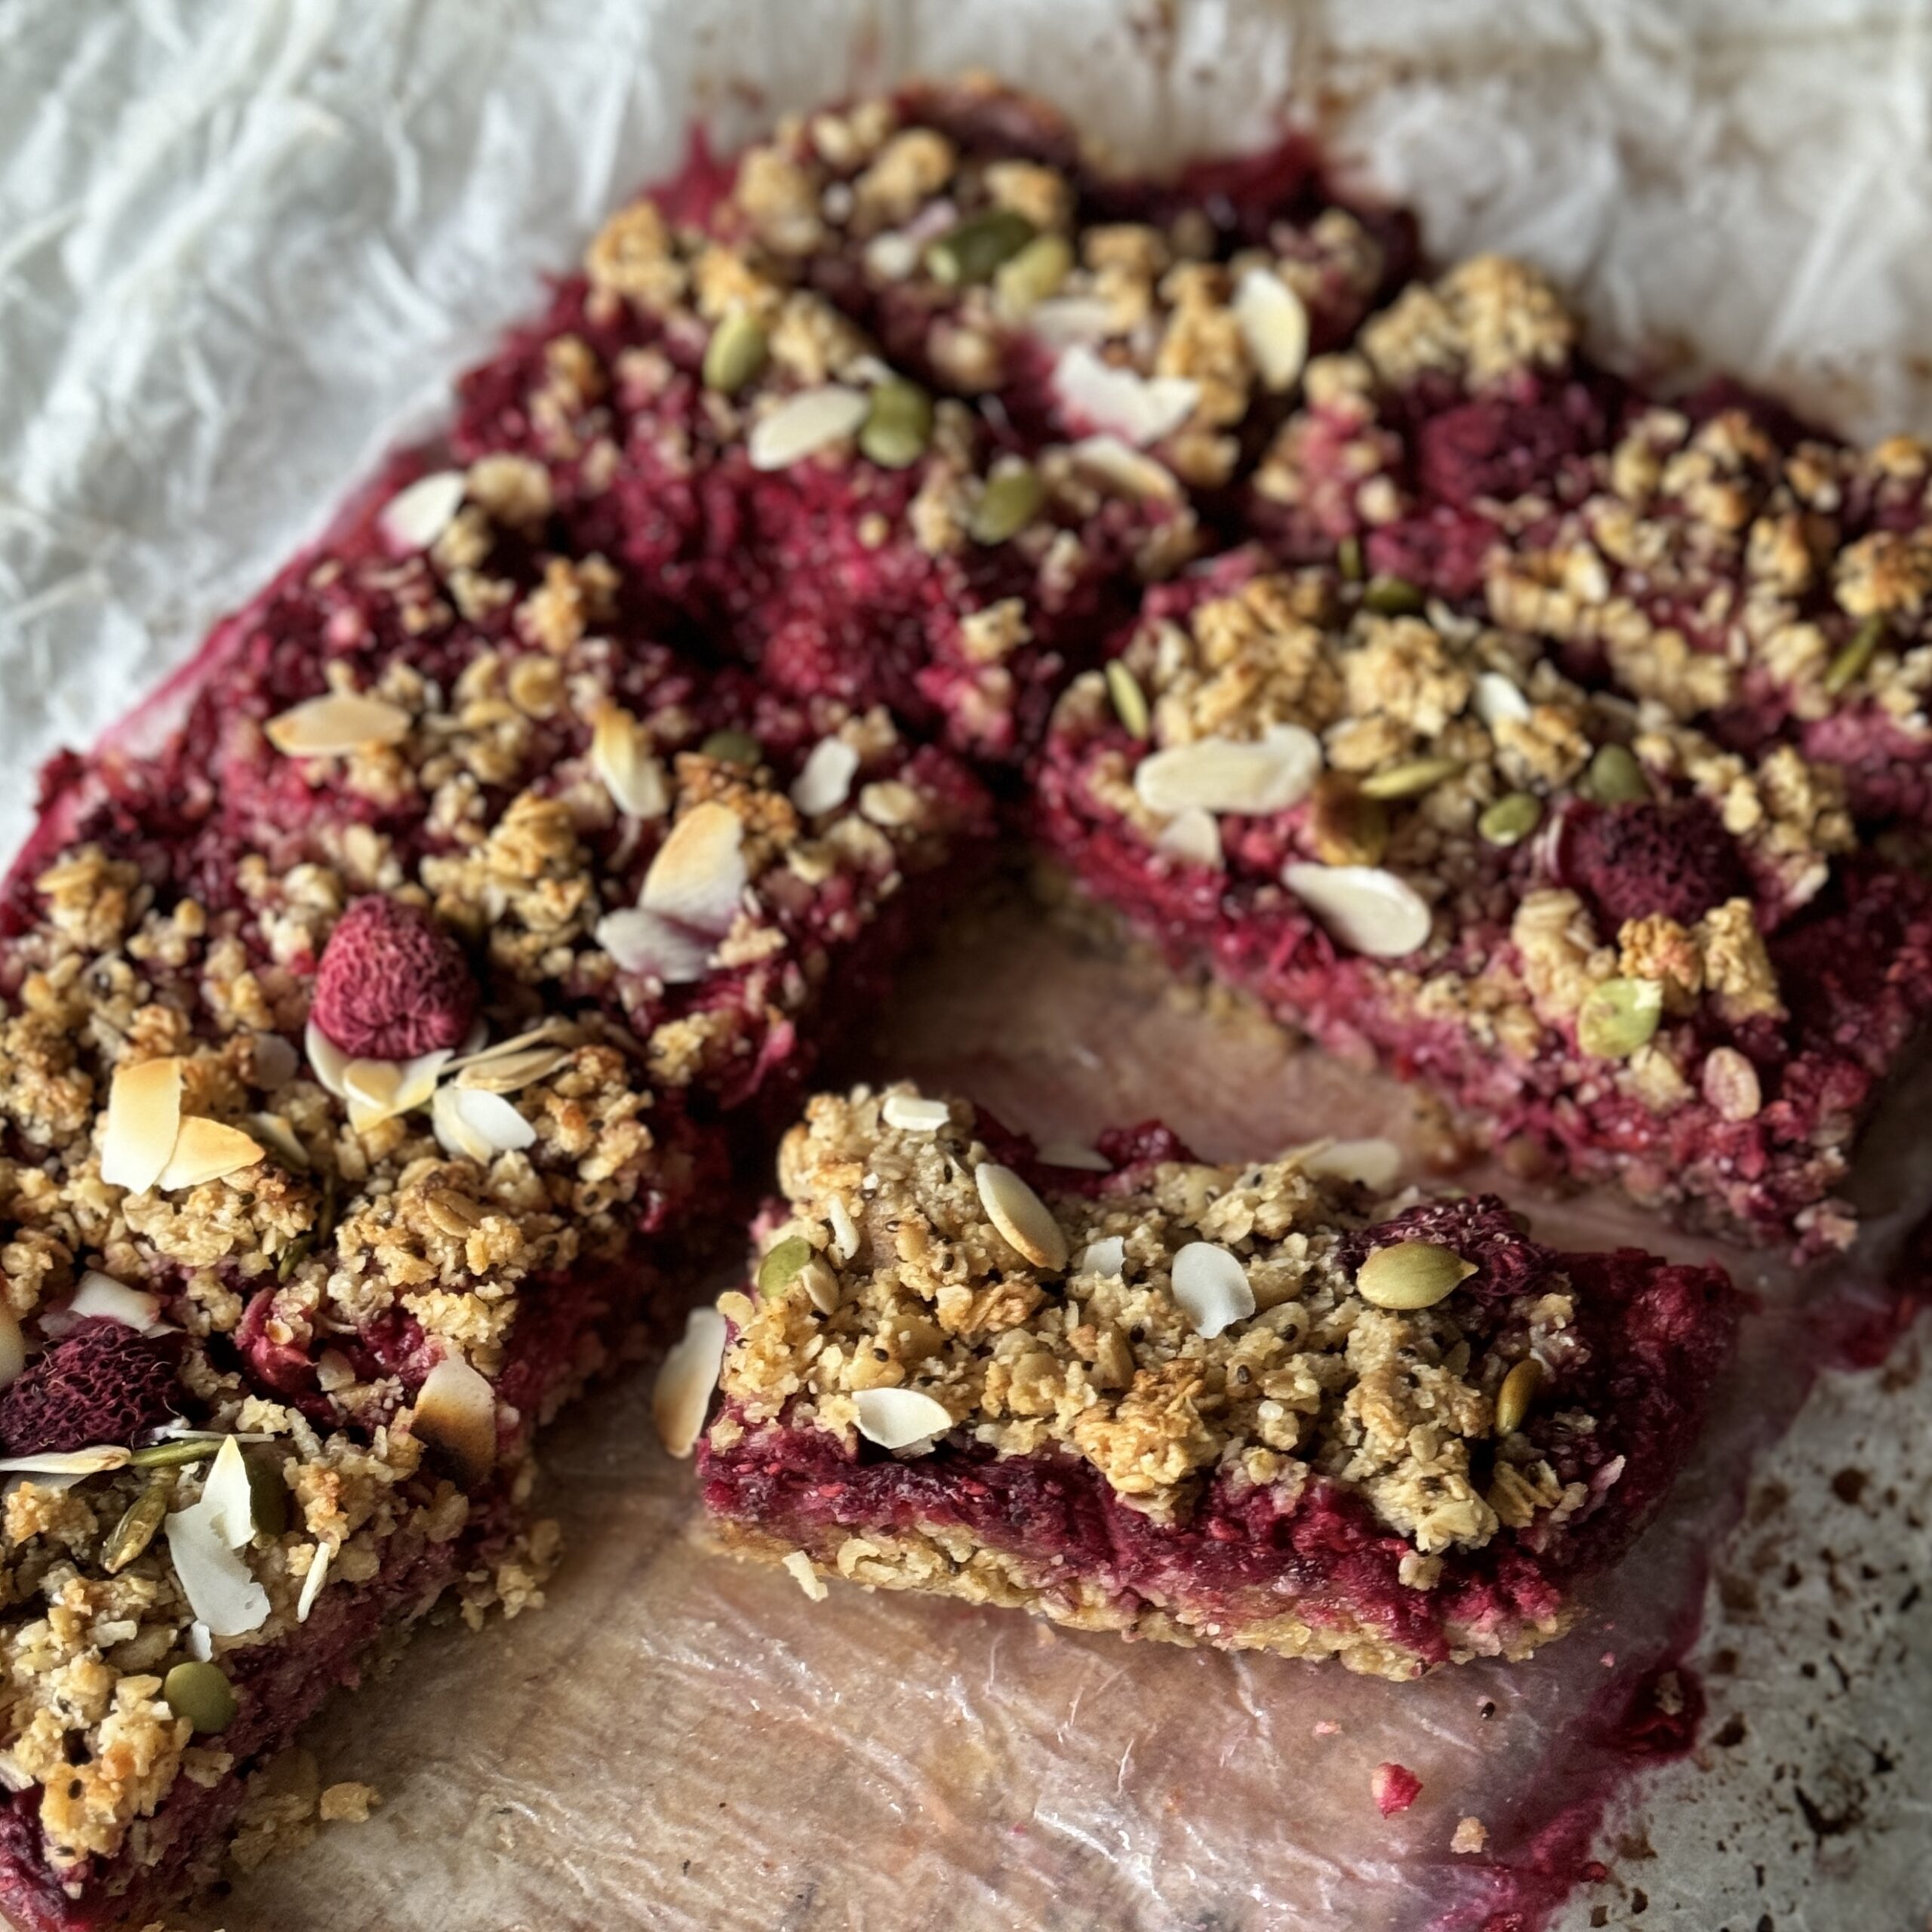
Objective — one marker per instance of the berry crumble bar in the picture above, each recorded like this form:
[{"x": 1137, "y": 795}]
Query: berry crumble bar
[{"x": 1248, "y": 1407}]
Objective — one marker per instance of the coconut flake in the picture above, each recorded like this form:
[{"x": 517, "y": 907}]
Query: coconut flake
[
  {"x": 845, "y": 1230},
  {"x": 915, "y": 1113},
  {"x": 1111, "y": 465},
  {"x": 1366, "y": 909},
  {"x": 216, "y": 1583},
  {"x": 1274, "y": 328},
  {"x": 101, "y": 1297},
  {"x": 1193, "y": 836},
  {"x": 199, "y": 1642},
  {"x": 620, "y": 754},
  {"x": 274, "y": 1131},
  {"x": 472, "y": 1125},
  {"x": 681, "y": 1398},
  {"x": 1075, "y": 1154},
  {"x": 206, "y": 1150},
  {"x": 226, "y": 1497},
  {"x": 1376, "y": 1163},
  {"x": 1498, "y": 699},
  {"x": 1228, "y": 775},
  {"x": 699, "y": 873},
  {"x": 1116, "y": 402},
  {"x": 805, "y": 423},
  {"x": 75, "y": 1462},
  {"x": 824, "y": 782},
  {"x": 143, "y": 1118},
  {"x": 901, "y": 1418},
  {"x": 455, "y": 1409},
  {"x": 414, "y": 518},
  {"x": 336, "y": 724},
  {"x": 312, "y": 1582},
  {"x": 1103, "y": 1257},
  {"x": 1060, "y": 321},
  {"x": 1019, "y": 1214},
  {"x": 379, "y": 1090},
  {"x": 642, "y": 943},
  {"x": 1211, "y": 1288},
  {"x": 798, "y": 1566}
]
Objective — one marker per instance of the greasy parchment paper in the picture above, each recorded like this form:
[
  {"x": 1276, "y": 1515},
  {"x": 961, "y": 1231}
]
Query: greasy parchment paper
[{"x": 242, "y": 247}]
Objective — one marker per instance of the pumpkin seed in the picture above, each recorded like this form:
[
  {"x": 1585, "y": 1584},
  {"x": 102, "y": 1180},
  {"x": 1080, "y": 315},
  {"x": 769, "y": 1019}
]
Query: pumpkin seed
[
  {"x": 972, "y": 250},
  {"x": 137, "y": 1527},
  {"x": 1411, "y": 1274},
  {"x": 1518, "y": 1391},
  {"x": 1348, "y": 828},
  {"x": 738, "y": 748},
  {"x": 201, "y": 1694},
  {"x": 1130, "y": 701},
  {"x": 898, "y": 424},
  {"x": 1390, "y": 597},
  {"x": 1348, "y": 559},
  {"x": 268, "y": 1494},
  {"x": 735, "y": 353},
  {"x": 293, "y": 1255},
  {"x": 1007, "y": 504},
  {"x": 1033, "y": 275},
  {"x": 1618, "y": 1016},
  {"x": 1615, "y": 777},
  {"x": 169, "y": 1455},
  {"x": 1844, "y": 669},
  {"x": 775, "y": 1272},
  {"x": 1411, "y": 778},
  {"x": 1511, "y": 818}
]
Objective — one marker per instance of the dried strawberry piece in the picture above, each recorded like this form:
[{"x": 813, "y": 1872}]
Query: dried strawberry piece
[
  {"x": 1395, "y": 1787},
  {"x": 1674, "y": 858},
  {"x": 392, "y": 983},
  {"x": 101, "y": 1382},
  {"x": 1496, "y": 447}
]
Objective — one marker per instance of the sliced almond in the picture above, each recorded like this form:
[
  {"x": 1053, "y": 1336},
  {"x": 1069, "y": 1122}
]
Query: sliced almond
[
  {"x": 901, "y": 1418},
  {"x": 1139, "y": 410},
  {"x": 824, "y": 782},
  {"x": 1731, "y": 1085},
  {"x": 1106, "y": 1258},
  {"x": 415, "y": 517},
  {"x": 1365, "y": 908},
  {"x": 216, "y": 1581},
  {"x": 1273, "y": 321},
  {"x": 143, "y": 1120},
  {"x": 845, "y": 1230},
  {"x": 1377, "y": 1164},
  {"x": 1211, "y": 1288},
  {"x": 640, "y": 941},
  {"x": 472, "y": 1125},
  {"x": 336, "y": 724},
  {"x": 312, "y": 1582},
  {"x": 509, "y": 1073},
  {"x": 327, "y": 1060},
  {"x": 798, "y": 1566},
  {"x": 1228, "y": 775},
  {"x": 681, "y": 1399},
  {"x": 275, "y": 1133},
  {"x": 1019, "y": 1214},
  {"x": 1075, "y": 1154},
  {"x": 805, "y": 423},
  {"x": 456, "y": 1409},
  {"x": 379, "y": 1090},
  {"x": 206, "y": 1150},
  {"x": 100, "y": 1297},
  {"x": 66, "y": 1461},
  {"x": 273, "y": 1062},
  {"x": 698, "y": 876},
  {"x": 1498, "y": 700},
  {"x": 1112, "y": 465},
  {"x": 1061, "y": 320},
  {"x": 1193, "y": 837},
  {"x": 621, "y": 756},
  {"x": 13, "y": 1346},
  {"x": 913, "y": 1113}
]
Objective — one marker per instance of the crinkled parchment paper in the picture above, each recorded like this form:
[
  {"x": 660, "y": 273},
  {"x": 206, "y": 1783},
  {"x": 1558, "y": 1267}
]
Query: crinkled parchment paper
[{"x": 242, "y": 248}]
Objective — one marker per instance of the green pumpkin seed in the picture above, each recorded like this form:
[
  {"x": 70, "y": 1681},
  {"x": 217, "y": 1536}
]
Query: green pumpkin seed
[
  {"x": 201, "y": 1694},
  {"x": 1033, "y": 275},
  {"x": 1511, "y": 818},
  {"x": 137, "y": 1528},
  {"x": 738, "y": 748},
  {"x": 782, "y": 1263},
  {"x": 1615, "y": 777},
  {"x": 1618, "y": 1016},
  {"x": 1346, "y": 828},
  {"x": 1518, "y": 1391},
  {"x": 1845, "y": 668},
  {"x": 735, "y": 353},
  {"x": 1411, "y": 1274},
  {"x": 1130, "y": 701},
  {"x": 268, "y": 1494},
  {"x": 972, "y": 250},
  {"x": 1348, "y": 559},
  {"x": 168, "y": 1455},
  {"x": 1007, "y": 504},
  {"x": 293, "y": 1255},
  {"x": 1411, "y": 778},
  {"x": 1390, "y": 597},
  {"x": 898, "y": 426}
]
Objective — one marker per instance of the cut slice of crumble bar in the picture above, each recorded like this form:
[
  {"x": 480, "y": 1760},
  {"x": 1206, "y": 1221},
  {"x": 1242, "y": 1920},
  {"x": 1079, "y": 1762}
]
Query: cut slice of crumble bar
[{"x": 1254, "y": 1407}]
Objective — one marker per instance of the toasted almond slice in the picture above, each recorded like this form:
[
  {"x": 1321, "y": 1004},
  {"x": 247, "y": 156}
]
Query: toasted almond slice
[
  {"x": 335, "y": 724},
  {"x": 101, "y": 1297},
  {"x": 641, "y": 941},
  {"x": 1075, "y": 1154},
  {"x": 824, "y": 782},
  {"x": 1498, "y": 700},
  {"x": 901, "y": 1418},
  {"x": 1103, "y": 1257},
  {"x": 1211, "y": 1287},
  {"x": 312, "y": 1582},
  {"x": 206, "y": 1150},
  {"x": 1228, "y": 775},
  {"x": 698, "y": 876},
  {"x": 798, "y": 1565},
  {"x": 218, "y": 1586},
  {"x": 415, "y": 517},
  {"x": 455, "y": 1409},
  {"x": 682, "y": 1396},
  {"x": 805, "y": 423},
  {"x": 1193, "y": 836},
  {"x": 1376, "y": 1163},
  {"x": 379, "y": 1090},
  {"x": 1274, "y": 328},
  {"x": 1365, "y": 907},
  {"x": 508, "y": 1073},
  {"x": 1117, "y": 401},
  {"x": 913, "y": 1113},
  {"x": 327, "y": 1060},
  {"x": 476, "y": 1126},
  {"x": 144, "y": 1119},
  {"x": 621, "y": 756},
  {"x": 1019, "y": 1214},
  {"x": 1111, "y": 464},
  {"x": 67, "y": 1462}
]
